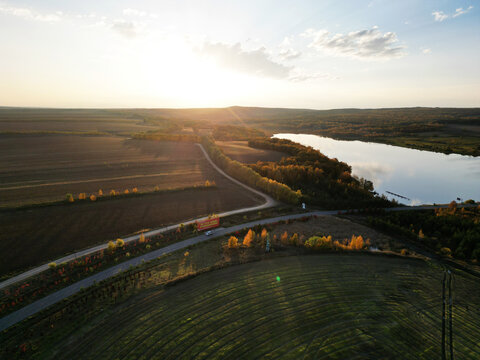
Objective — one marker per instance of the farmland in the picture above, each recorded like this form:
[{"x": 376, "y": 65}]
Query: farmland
[
  {"x": 35, "y": 235},
  {"x": 86, "y": 120},
  {"x": 240, "y": 151},
  {"x": 309, "y": 306},
  {"x": 34, "y": 170}
]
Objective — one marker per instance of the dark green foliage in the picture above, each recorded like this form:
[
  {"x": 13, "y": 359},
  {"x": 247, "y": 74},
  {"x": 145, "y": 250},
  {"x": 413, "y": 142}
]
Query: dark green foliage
[
  {"x": 322, "y": 181},
  {"x": 458, "y": 230}
]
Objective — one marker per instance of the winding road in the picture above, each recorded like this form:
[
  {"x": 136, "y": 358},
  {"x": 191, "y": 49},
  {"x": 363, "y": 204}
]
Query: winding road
[
  {"x": 51, "y": 299},
  {"x": 269, "y": 202}
]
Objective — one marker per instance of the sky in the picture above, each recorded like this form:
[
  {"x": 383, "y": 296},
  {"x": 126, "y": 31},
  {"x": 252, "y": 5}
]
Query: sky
[{"x": 193, "y": 53}]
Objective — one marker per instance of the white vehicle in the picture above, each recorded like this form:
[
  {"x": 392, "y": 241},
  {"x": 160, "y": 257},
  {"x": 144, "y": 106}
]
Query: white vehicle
[{"x": 209, "y": 232}]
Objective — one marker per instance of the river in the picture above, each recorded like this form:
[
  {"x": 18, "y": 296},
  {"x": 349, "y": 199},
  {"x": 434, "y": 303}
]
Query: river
[{"x": 424, "y": 177}]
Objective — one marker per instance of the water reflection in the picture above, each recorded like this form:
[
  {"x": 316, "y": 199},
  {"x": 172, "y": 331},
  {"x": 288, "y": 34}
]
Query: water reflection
[{"x": 424, "y": 177}]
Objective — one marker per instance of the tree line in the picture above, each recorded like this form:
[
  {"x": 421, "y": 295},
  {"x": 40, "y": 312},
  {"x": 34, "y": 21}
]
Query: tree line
[
  {"x": 321, "y": 180},
  {"x": 249, "y": 176}
]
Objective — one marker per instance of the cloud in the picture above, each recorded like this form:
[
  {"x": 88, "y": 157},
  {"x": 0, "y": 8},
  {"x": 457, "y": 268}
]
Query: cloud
[
  {"x": 138, "y": 13},
  {"x": 30, "y": 14},
  {"x": 364, "y": 44},
  {"x": 427, "y": 51},
  {"x": 129, "y": 29},
  {"x": 256, "y": 62},
  {"x": 441, "y": 16},
  {"x": 461, "y": 11},
  {"x": 289, "y": 54}
]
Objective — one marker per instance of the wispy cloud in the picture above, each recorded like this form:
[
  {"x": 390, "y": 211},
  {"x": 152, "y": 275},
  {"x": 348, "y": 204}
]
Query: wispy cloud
[
  {"x": 365, "y": 44},
  {"x": 30, "y": 14},
  {"x": 256, "y": 62},
  {"x": 441, "y": 16},
  {"x": 427, "y": 51}
]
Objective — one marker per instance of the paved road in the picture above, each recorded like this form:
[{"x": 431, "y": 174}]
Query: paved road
[
  {"x": 53, "y": 298},
  {"x": 269, "y": 202}
]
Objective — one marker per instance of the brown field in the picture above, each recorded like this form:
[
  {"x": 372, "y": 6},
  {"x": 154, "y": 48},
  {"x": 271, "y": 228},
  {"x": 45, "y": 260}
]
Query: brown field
[
  {"x": 240, "y": 151},
  {"x": 38, "y": 169},
  {"x": 34, "y": 236},
  {"x": 114, "y": 121}
]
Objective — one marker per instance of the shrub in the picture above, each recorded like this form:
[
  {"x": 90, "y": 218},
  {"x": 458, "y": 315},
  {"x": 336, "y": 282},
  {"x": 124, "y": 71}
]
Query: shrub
[
  {"x": 421, "y": 235},
  {"x": 355, "y": 243},
  {"x": 148, "y": 247},
  {"x": 319, "y": 243},
  {"x": 284, "y": 238},
  {"x": 232, "y": 242},
  {"x": 82, "y": 196},
  {"x": 126, "y": 192},
  {"x": 52, "y": 265},
  {"x": 100, "y": 192},
  {"x": 113, "y": 193},
  {"x": 93, "y": 197},
  {"x": 120, "y": 242},
  {"x": 141, "y": 239},
  {"x": 156, "y": 188},
  {"x": 134, "y": 190},
  {"x": 404, "y": 252},
  {"x": 186, "y": 253},
  {"x": 69, "y": 197},
  {"x": 111, "y": 246}
]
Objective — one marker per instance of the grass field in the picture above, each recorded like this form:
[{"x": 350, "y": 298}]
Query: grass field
[
  {"x": 37, "y": 169},
  {"x": 240, "y": 151},
  {"x": 333, "y": 306}
]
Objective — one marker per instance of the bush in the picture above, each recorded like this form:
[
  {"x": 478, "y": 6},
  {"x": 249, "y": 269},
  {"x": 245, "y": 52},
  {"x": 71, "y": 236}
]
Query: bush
[
  {"x": 93, "y": 197},
  {"x": 232, "y": 242},
  {"x": 111, "y": 246},
  {"x": 52, "y": 265},
  {"x": 120, "y": 242},
  {"x": 319, "y": 243},
  {"x": 70, "y": 198}
]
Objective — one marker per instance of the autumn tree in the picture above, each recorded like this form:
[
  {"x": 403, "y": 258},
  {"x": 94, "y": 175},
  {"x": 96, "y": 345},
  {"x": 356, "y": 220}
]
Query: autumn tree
[
  {"x": 111, "y": 246},
  {"x": 232, "y": 242},
  {"x": 284, "y": 238},
  {"x": 249, "y": 237}
]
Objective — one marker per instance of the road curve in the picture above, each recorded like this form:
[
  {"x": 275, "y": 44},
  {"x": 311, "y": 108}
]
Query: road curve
[
  {"x": 41, "y": 304},
  {"x": 269, "y": 202}
]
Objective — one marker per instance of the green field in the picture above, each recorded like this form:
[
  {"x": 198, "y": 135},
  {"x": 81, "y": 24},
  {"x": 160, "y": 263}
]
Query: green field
[{"x": 333, "y": 306}]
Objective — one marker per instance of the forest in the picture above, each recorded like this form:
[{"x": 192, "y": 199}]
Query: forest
[
  {"x": 451, "y": 232},
  {"x": 322, "y": 181}
]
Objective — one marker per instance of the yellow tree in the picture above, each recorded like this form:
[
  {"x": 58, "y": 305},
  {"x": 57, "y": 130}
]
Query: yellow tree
[
  {"x": 247, "y": 240},
  {"x": 232, "y": 242}
]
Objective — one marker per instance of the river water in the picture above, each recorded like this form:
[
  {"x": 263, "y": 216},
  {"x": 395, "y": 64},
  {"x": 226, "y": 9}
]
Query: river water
[{"x": 424, "y": 177}]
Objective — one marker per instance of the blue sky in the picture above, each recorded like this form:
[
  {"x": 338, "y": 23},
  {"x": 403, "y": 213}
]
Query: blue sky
[{"x": 308, "y": 54}]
